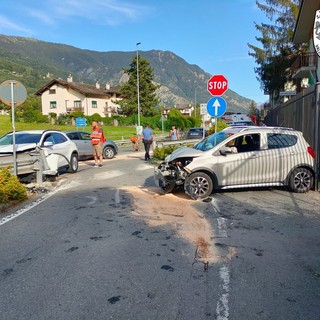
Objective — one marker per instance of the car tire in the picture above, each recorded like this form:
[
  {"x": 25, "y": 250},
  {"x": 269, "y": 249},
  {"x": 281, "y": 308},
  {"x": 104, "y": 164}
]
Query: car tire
[
  {"x": 199, "y": 185},
  {"x": 108, "y": 153},
  {"x": 74, "y": 163},
  {"x": 301, "y": 180}
]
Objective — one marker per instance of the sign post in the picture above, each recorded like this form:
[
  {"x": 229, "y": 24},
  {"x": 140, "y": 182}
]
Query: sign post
[
  {"x": 13, "y": 93},
  {"x": 217, "y": 85},
  {"x": 217, "y": 106}
]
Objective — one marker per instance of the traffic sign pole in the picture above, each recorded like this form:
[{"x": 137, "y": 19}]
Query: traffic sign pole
[
  {"x": 12, "y": 83},
  {"x": 13, "y": 93}
]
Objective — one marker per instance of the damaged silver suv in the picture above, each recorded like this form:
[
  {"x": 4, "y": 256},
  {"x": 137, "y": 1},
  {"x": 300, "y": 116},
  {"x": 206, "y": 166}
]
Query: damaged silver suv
[{"x": 240, "y": 157}]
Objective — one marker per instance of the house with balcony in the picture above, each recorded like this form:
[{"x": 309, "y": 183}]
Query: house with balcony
[
  {"x": 305, "y": 68},
  {"x": 185, "y": 109},
  {"x": 63, "y": 97},
  {"x": 302, "y": 110}
]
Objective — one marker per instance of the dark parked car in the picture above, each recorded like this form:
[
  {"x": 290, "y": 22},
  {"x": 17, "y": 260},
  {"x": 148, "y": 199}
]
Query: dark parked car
[
  {"x": 196, "y": 133},
  {"x": 83, "y": 141}
]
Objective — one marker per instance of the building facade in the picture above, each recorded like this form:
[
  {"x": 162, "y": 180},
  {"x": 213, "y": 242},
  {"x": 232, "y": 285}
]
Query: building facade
[{"x": 62, "y": 97}]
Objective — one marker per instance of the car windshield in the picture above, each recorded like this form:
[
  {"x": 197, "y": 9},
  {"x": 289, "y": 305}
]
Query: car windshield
[
  {"x": 211, "y": 141},
  {"x": 21, "y": 138}
]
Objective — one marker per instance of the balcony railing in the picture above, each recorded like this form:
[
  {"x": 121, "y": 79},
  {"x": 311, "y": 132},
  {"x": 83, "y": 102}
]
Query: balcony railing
[
  {"x": 72, "y": 109},
  {"x": 303, "y": 64}
]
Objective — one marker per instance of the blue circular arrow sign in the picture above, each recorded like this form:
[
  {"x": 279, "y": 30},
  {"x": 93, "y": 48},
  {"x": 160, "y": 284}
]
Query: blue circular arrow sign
[{"x": 216, "y": 107}]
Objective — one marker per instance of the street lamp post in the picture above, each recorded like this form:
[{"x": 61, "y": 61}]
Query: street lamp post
[
  {"x": 138, "y": 86},
  {"x": 195, "y": 101}
]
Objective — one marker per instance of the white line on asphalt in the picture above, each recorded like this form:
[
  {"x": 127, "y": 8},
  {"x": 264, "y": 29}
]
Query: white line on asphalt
[
  {"x": 93, "y": 200},
  {"x": 30, "y": 206},
  {"x": 117, "y": 196},
  {"x": 222, "y": 310}
]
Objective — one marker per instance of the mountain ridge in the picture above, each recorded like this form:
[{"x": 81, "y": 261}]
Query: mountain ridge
[{"x": 37, "y": 62}]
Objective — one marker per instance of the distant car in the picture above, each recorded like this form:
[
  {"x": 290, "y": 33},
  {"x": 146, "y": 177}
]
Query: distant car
[
  {"x": 58, "y": 151},
  {"x": 237, "y": 119},
  {"x": 240, "y": 157},
  {"x": 196, "y": 133},
  {"x": 83, "y": 141}
]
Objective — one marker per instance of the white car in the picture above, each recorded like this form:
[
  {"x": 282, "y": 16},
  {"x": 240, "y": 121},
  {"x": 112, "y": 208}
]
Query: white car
[
  {"x": 240, "y": 157},
  {"x": 55, "y": 148}
]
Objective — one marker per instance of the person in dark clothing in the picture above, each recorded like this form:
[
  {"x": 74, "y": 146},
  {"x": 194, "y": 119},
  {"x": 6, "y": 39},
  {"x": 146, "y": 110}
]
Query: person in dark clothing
[{"x": 147, "y": 139}]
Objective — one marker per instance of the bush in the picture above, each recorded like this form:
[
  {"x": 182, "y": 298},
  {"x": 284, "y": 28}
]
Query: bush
[
  {"x": 220, "y": 126},
  {"x": 160, "y": 153},
  {"x": 10, "y": 187}
]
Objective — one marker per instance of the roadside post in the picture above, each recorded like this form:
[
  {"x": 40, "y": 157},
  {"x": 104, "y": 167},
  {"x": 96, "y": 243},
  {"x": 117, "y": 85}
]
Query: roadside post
[
  {"x": 203, "y": 112},
  {"x": 13, "y": 93},
  {"x": 217, "y": 85}
]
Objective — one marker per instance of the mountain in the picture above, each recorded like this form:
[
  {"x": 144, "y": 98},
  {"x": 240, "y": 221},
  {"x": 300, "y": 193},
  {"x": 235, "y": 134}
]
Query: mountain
[{"x": 34, "y": 63}]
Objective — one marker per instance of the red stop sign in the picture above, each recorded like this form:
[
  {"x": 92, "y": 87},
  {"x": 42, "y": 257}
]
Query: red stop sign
[{"x": 217, "y": 85}]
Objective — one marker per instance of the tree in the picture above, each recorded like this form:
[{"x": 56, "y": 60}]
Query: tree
[
  {"x": 252, "y": 108},
  {"x": 278, "y": 52},
  {"x": 147, "y": 90}
]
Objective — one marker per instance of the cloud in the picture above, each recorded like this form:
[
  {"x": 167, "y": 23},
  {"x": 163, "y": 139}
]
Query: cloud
[
  {"x": 5, "y": 24},
  {"x": 102, "y": 12}
]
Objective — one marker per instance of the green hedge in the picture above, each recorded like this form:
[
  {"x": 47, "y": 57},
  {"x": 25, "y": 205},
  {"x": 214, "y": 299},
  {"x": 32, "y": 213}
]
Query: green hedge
[{"x": 11, "y": 189}]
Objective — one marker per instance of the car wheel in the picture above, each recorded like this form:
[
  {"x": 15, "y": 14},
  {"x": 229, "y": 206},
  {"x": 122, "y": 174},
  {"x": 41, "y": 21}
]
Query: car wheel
[
  {"x": 301, "y": 180},
  {"x": 73, "y": 167},
  {"x": 199, "y": 185},
  {"x": 108, "y": 152}
]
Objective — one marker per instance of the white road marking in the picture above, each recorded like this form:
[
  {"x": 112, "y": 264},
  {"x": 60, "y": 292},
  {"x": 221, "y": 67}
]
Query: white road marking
[
  {"x": 222, "y": 309},
  {"x": 117, "y": 196},
  {"x": 93, "y": 200},
  {"x": 222, "y": 227},
  {"x": 33, "y": 204}
]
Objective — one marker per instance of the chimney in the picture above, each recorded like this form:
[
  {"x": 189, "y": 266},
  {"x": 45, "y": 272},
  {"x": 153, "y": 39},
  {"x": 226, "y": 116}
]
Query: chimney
[
  {"x": 108, "y": 86},
  {"x": 97, "y": 85},
  {"x": 69, "y": 79}
]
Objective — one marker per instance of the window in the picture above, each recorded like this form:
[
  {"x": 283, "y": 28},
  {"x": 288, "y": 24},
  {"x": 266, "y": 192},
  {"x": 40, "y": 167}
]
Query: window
[
  {"x": 280, "y": 140},
  {"x": 77, "y": 104},
  {"x": 52, "y": 91},
  {"x": 94, "y": 104},
  {"x": 85, "y": 136},
  {"x": 248, "y": 143},
  {"x": 58, "y": 138},
  {"x": 53, "y": 104}
]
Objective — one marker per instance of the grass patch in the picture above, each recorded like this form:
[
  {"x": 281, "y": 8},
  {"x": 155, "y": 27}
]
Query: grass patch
[{"x": 111, "y": 132}]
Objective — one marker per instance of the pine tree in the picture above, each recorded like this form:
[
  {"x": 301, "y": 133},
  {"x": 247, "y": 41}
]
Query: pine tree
[
  {"x": 278, "y": 52},
  {"x": 147, "y": 90}
]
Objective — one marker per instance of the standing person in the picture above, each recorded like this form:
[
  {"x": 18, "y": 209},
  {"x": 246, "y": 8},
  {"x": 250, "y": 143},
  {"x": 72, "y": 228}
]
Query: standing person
[
  {"x": 97, "y": 138},
  {"x": 147, "y": 138},
  {"x": 174, "y": 135}
]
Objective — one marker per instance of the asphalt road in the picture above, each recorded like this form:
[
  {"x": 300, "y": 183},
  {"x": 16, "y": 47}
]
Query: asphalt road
[{"x": 106, "y": 244}]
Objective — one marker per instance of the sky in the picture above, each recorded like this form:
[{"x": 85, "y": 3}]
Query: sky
[{"x": 212, "y": 34}]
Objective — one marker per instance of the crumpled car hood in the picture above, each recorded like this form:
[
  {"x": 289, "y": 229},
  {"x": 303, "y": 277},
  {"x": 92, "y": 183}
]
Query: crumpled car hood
[
  {"x": 183, "y": 152},
  {"x": 8, "y": 148}
]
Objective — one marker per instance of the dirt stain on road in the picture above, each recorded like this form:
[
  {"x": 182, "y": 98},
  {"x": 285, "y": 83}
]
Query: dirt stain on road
[{"x": 178, "y": 213}]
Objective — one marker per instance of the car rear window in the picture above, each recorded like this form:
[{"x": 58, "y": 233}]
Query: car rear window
[{"x": 280, "y": 140}]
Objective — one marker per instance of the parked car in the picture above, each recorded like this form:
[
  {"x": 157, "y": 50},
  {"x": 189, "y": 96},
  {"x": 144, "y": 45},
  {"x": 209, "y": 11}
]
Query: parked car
[
  {"x": 83, "y": 141},
  {"x": 196, "y": 133},
  {"x": 237, "y": 119},
  {"x": 239, "y": 158},
  {"x": 58, "y": 151}
]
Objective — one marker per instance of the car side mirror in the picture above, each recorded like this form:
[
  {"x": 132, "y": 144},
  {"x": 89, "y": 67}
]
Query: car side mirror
[
  {"x": 226, "y": 150},
  {"x": 48, "y": 144}
]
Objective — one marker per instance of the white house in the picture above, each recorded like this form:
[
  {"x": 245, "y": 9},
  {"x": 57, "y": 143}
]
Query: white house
[
  {"x": 185, "y": 109},
  {"x": 60, "y": 97}
]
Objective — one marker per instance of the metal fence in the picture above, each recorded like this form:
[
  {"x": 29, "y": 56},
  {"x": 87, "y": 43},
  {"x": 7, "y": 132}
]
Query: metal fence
[{"x": 301, "y": 113}]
